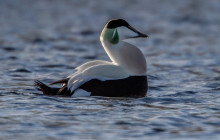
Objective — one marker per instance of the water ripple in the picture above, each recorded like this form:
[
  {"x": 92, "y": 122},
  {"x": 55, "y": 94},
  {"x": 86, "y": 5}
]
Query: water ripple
[{"x": 52, "y": 38}]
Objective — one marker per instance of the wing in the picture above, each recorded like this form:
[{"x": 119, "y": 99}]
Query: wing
[
  {"x": 101, "y": 72},
  {"x": 80, "y": 69},
  {"x": 90, "y": 64}
]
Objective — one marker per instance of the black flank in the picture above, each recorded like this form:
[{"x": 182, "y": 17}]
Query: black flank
[{"x": 133, "y": 86}]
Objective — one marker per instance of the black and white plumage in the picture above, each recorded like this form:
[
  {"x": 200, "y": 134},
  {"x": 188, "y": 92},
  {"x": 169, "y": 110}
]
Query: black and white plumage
[{"x": 125, "y": 76}]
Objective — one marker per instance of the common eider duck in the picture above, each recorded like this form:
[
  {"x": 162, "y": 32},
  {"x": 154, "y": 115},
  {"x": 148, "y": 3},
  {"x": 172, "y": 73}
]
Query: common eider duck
[{"x": 124, "y": 76}]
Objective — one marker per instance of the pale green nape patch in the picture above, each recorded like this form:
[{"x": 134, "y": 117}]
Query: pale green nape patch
[
  {"x": 111, "y": 35},
  {"x": 115, "y": 37}
]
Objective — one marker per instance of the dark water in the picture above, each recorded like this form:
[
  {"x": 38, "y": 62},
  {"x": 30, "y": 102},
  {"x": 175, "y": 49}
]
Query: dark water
[{"x": 46, "y": 39}]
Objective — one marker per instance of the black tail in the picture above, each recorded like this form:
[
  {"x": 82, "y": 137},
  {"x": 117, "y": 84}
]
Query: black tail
[
  {"x": 63, "y": 91},
  {"x": 45, "y": 89}
]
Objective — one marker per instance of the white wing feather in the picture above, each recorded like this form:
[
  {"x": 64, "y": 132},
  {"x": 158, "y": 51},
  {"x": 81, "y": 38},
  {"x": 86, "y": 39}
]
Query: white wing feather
[
  {"x": 90, "y": 64},
  {"x": 101, "y": 72}
]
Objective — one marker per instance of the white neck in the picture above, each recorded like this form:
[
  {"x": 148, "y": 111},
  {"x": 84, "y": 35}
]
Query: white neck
[{"x": 124, "y": 54}]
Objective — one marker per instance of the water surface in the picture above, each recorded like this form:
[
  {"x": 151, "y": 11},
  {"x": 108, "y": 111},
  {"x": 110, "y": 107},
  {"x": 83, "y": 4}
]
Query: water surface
[{"x": 46, "y": 39}]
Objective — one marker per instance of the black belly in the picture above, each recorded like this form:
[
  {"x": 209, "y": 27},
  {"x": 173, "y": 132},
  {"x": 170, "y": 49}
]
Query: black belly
[{"x": 133, "y": 86}]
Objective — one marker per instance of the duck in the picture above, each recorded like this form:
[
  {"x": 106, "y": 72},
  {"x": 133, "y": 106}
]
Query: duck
[{"x": 124, "y": 76}]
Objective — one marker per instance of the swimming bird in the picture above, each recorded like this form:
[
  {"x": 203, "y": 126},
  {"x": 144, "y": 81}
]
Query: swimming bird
[{"x": 124, "y": 76}]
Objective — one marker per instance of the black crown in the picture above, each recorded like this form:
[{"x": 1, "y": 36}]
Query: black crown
[{"x": 114, "y": 23}]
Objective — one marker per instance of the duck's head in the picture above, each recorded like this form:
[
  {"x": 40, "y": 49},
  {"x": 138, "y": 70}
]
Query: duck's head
[
  {"x": 120, "y": 52},
  {"x": 118, "y": 29}
]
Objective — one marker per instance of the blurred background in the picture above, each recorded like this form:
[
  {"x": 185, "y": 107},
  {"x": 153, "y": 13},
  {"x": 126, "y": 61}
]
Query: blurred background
[{"x": 46, "y": 39}]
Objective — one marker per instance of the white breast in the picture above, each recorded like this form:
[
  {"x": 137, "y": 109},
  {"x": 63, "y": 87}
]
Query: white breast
[{"x": 127, "y": 56}]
